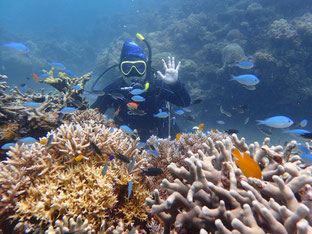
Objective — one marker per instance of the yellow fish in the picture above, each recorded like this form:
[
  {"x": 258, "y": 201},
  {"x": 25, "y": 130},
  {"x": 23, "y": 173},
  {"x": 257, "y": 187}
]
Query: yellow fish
[
  {"x": 43, "y": 141},
  {"x": 248, "y": 166},
  {"x": 178, "y": 136},
  {"x": 79, "y": 158}
]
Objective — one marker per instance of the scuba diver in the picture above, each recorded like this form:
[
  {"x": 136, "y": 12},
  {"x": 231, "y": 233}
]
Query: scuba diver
[{"x": 140, "y": 94}]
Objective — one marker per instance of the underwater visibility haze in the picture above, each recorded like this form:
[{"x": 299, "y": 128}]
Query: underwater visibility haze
[{"x": 228, "y": 82}]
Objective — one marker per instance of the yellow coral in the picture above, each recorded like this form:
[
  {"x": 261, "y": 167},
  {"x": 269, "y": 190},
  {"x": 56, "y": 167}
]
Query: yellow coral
[{"x": 57, "y": 185}]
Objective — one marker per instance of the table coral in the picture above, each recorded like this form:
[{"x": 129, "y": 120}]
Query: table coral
[{"x": 211, "y": 193}]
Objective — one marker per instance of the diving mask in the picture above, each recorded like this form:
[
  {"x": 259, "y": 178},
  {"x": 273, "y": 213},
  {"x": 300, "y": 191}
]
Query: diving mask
[{"x": 133, "y": 68}]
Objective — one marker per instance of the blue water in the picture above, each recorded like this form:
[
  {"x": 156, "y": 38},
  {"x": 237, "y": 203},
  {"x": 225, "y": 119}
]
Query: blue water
[{"x": 75, "y": 32}]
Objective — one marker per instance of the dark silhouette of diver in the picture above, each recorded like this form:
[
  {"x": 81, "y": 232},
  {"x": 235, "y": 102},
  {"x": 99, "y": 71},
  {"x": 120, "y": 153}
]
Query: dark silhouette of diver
[{"x": 138, "y": 75}]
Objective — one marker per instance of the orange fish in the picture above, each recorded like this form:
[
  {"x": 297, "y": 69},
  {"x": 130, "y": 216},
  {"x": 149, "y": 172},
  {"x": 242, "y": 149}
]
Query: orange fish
[
  {"x": 214, "y": 130},
  {"x": 248, "y": 166},
  {"x": 43, "y": 141},
  {"x": 178, "y": 136},
  {"x": 201, "y": 126},
  {"x": 79, "y": 158},
  {"x": 117, "y": 111},
  {"x": 36, "y": 78},
  {"x": 132, "y": 105}
]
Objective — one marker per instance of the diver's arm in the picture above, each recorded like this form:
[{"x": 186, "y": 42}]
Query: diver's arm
[{"x": 104, "y": 102}]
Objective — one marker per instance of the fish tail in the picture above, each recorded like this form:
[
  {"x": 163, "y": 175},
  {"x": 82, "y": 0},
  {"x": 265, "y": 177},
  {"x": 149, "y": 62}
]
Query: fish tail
[
  {"x": 260, "y": 122},
  {"x": 237, "y": 154},
  {"x": 233, "y": 77}
]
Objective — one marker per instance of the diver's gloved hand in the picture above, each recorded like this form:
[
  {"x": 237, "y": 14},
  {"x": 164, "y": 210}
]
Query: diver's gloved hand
[{"x": 171, "y": 73}]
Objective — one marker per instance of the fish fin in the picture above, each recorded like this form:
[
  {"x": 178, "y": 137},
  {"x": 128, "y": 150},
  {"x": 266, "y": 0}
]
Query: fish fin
[
  {"x": 237, "y": 154},
  {"x": 233, "y": 78},
  {"x": 260, "y": 122}
]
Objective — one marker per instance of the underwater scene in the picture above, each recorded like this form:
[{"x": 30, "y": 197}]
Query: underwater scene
[{"x": 144, "y": 116}]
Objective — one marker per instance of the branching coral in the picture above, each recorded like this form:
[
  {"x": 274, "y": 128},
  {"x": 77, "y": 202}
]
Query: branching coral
[
  {"x": 212, "y": 194},
  {"x": 36, "y": 121},
  {"x": 51, "y": 182}
]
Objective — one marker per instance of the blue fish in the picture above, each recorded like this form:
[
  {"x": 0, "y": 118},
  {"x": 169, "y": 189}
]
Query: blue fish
[
  {"x": 247, "y": 79},
  {"x": 141, "y": 145},
  {"x": 179, "y": 112},
  {"x": 24, "y": 87},
  {"x": 277, "y": 122},
  {"x": 129, "y": 189},
  {"x": 162, "y": 115},
  {"x": 131, "y": 165},
  {"x": 58, "y": 66},
  {"x": 111, "y": 157},
  {"x": 138, "y": 98},
  {"x": 7, "y": 146},
  {"x": 111, "y": 130},
  {"x": 297, "y": 131},
  {"x": 303, "y": 123},
  {"x": 105, "y": 169},
  {"x": 69, "y": 73},
  {"x": 306, "y": 155},
  {"x": 303, "y": 149},
  {"x": 244, "y": 65},
  {"x": 306, "y": 158},
  {"x": 31, "y": 104},
  {"x": 68, "y": 110},
  {"x": 27, "y": 140},
  {"x": 126, "y": 129},
  {"x": 153, "y": 152},
  {"x": 18, "y": 47},
  {"x": 77, "y": 87},
  {"x": 44, "y": 75},
  {"x": 137, "y": 91}
]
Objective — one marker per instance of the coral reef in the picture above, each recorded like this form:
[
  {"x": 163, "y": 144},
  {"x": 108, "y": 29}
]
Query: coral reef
[
  {"x": 282, "y": 30},
  {"x": 64, "y": 83},
  {"x": 212, "y": 194},
  {"x": 40, "y": 184},
  {"x": 232, "y": 53},
  {"x": 20, "y": 120},
  {"x": 303, "y": 25}
]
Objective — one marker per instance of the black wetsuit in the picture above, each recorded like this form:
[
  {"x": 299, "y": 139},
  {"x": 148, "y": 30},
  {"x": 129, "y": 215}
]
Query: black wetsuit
[{"x": 155, "y": 98}]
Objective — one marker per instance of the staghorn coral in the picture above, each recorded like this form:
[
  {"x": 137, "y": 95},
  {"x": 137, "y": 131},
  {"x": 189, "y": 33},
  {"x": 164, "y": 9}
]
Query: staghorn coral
[
  {"x": 64, "y": 82},
  {"x": 211, "y": 193},
  {"x": 8, "y": 132},
  {"x": 36, "y": 121},
  {"x": 50, "y": 183}
]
